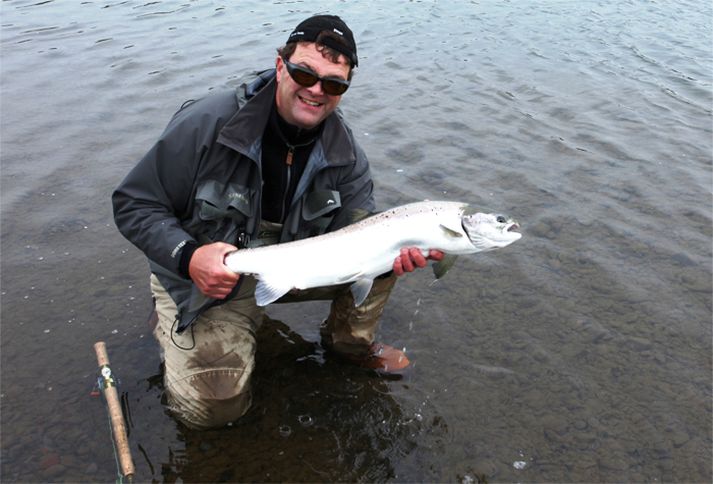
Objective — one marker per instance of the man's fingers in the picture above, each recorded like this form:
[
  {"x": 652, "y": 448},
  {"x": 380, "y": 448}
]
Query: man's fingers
[
  {"x": 412, "y": 257},
  {"x": 417, "y": 257},
  {"x": 398, "y": 268},
  {"x": 219, "y": 293},
  {"x": 218, "y": 288},
  {"x": 406, "y": 261}
]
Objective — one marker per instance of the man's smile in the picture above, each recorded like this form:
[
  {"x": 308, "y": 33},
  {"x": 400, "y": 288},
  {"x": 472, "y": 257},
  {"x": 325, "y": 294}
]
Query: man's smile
[{"x": 309, "y": 102}]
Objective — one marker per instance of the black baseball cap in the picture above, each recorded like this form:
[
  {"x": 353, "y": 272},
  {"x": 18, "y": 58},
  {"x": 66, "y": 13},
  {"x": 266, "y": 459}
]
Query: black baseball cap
[{"x": 308, "y": 31}]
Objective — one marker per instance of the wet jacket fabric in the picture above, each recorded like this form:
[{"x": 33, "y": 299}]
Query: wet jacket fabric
[{"x": 201, "y": 182}]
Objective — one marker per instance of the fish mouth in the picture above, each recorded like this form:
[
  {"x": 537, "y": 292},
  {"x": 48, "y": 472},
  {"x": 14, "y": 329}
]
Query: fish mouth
[{"x": 515, "y": 227}]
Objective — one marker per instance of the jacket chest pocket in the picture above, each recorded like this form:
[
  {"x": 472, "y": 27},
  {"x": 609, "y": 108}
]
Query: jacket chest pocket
[
  {"x": 318, "y": 211},
  {"x": 223, "y": 209}
]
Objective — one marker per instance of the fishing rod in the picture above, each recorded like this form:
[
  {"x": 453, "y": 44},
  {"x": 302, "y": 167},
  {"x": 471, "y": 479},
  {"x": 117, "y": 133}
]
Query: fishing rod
[{"x": 107, "y": 384}]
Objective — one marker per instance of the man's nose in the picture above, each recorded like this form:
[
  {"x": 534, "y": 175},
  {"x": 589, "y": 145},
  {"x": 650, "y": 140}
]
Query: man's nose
[{"x": 316, "y": 89}]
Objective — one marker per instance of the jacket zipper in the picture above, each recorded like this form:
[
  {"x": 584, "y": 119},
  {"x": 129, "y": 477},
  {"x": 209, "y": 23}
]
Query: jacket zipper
[{"x": 288, "y": 164}]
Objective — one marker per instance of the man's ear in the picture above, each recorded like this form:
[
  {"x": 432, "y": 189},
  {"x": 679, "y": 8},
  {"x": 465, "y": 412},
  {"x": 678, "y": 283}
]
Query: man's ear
[{"x": 278, "y": 67}]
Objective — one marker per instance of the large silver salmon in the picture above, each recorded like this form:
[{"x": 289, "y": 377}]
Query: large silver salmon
[{"x": 360, "y": 252}]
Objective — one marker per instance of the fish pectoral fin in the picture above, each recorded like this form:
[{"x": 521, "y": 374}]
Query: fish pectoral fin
[
  {"x": 451, "y": 232},
  {"x": 442, "y": 266},
  {"x": 360, "y": 290},
  {"x": 268, "y": 291}
]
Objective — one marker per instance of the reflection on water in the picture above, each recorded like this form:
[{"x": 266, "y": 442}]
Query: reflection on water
[
  {"x": 326, "y": 412},
  {"x": 582, "y": 353}
]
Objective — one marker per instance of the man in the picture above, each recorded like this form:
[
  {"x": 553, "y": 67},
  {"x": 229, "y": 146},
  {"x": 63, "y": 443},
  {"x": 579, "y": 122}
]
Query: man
[{"x": 234, "y": 170}]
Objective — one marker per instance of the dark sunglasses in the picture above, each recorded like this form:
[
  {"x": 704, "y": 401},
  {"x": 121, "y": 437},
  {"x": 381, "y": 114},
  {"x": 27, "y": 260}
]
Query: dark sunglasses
[{"x": 308, "y": 78}]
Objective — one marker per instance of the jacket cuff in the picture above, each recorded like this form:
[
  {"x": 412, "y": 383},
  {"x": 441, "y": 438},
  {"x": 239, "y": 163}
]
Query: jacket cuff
[{"x": 186, "y": 254}]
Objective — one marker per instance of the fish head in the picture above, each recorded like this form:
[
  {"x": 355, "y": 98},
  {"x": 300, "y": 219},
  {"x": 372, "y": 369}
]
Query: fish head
[{"x": 488, "y": 231}]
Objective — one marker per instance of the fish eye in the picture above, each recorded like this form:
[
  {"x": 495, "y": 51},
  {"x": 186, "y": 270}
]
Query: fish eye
[{"x": 501, "y": 219}]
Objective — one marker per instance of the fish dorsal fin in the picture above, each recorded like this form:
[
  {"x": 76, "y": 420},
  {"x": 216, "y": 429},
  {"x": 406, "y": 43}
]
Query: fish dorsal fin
[
  {"x": 442, "y": 266},
  {"x": 360, "y": 290},
  {"x": 450, "y": 232},
  {"x": 268, "y": 291}
]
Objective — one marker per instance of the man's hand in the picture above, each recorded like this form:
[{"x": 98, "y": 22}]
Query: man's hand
[
  {"x": 208, "y": 271},
  {"x": 411, "y": 257}
]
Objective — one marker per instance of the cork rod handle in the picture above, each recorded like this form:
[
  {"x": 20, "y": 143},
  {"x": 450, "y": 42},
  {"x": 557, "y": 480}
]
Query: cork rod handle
[{"x": 115, "y": 414}]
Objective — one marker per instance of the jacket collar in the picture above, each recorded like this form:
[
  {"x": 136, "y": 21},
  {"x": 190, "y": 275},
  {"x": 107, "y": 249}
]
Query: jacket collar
[{"x": 243, "y": 132}]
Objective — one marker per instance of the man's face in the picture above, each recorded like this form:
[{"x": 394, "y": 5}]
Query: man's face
[{"x": 306, "y": 107}]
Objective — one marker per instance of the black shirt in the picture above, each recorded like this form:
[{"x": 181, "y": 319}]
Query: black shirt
[{"x": 285, "y": 151}]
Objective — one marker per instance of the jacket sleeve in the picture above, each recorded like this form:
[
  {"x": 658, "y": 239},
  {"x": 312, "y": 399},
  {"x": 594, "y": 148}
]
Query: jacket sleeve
[{"x": 155, "y": 196}]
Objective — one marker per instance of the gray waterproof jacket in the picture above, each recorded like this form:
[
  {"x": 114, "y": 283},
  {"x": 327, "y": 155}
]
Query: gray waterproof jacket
[{"x": 202, "y": 182}]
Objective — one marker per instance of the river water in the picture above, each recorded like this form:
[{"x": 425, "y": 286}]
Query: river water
[{"x": 581, "y": 353}]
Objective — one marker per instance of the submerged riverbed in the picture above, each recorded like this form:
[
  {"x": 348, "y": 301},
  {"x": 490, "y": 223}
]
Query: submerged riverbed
[{"x": 580, "y": 353}]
